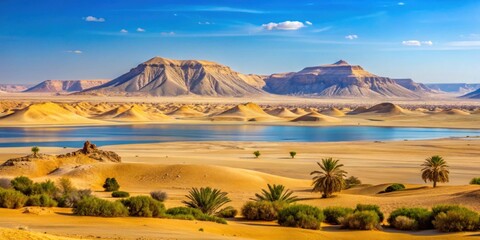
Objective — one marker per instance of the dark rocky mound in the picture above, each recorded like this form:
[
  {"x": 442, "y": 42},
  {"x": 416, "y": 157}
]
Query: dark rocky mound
[{"x": 91, "y": 151}]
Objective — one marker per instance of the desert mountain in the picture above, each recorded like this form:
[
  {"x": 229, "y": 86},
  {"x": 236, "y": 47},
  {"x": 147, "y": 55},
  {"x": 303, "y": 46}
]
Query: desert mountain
[
  {"x": 57, "y": 86},
  {"x": 473, "y": 95},
  {"x": 14, "y": 87},
  {"x": 454, "y": 88},
  {"x": 336, "y": 80},
  {"x": 413, "y": 86},
  {"x": 165, "y": 77}
]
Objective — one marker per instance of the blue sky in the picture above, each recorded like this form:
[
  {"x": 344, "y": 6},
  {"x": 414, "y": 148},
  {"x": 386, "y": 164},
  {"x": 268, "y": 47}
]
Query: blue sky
[{"x": 427, "y": 40}]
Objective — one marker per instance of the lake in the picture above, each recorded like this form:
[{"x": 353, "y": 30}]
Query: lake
[{"x": 127, "y": 134}]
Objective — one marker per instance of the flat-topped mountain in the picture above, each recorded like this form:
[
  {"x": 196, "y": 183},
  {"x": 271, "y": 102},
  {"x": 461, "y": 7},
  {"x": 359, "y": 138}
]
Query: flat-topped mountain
[
  {"x": 474, "y": 95},
  {"x": 166, "y": 77},
  {"x": 58, "y": 86},
  {"x": 337, "y": 80}
]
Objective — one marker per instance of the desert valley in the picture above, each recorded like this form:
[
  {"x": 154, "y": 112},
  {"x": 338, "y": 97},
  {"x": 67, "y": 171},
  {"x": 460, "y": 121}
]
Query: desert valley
[{"x": 145, "y": 120}]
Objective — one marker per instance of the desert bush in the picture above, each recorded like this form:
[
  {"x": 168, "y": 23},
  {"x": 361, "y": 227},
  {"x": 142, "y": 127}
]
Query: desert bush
[
  {"x": 437, "y": 209},
  {"x": 10, "y": 198},
  {"x": 143, "y": 206},
  {"x": 64, "y": 186},
  {"x": 208, "y": 200},
  {"x": 22, "y": 184},
  {"x": 70, "y": 199},
  {"x": 5, "y": 183},
  {"x": 293, "y": 154},
  {"x": 35, "y": 150},
  {"x": 475, "y": 181},
  {"x": 405, "y": 223},
  {"x": 395, "y": 187},
  {"x": 422, "y": 217},
  {"x": 47, "y": 187},
  {"x": 262, "y": 210},
  {"x": 457, "y": 220},
  {"x": 120, "y": 194},
  {"x": 41, "y": 200},
  {"x": 361, "y": 220},
  {"x": 302, "y": 216},
  {"x": 111, "y": 185},
  {"x": 228, "y": 212},
  {"x": 333, "y": 215},
  {"x": 368, "y": 207},
  {"x": 276, "y": 193},
  {"x": 187, "y": 213},
  {"x": 92, "y": 206},
  {"x": 159, "y": 195},
  {"x": 352, "y": 181},
  {"x": 257, "y": 154}
]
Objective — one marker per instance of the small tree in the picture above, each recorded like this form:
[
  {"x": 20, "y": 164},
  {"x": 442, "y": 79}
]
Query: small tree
[
  {"x": 35, "y": 150},
  {"x": 257, "y": 154},
  {"x": 293, "y": 154},
  {"x": 330, "y": 179},
  {"x": 111, "y": 185},
  {"x": 435, "y": 169}
]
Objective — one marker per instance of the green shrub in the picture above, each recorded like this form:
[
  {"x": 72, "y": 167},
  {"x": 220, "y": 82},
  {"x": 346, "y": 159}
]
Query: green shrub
[
  {"x": 302, "y": 216},
  {"x": 187, "y": 213},
  {"x": 228, "y": 212},
  {"x": 457, "y": 220},
  {"x": 10, "y": 198},
  {"x": 423, "y": 217},
  {"x": 120, "y": 194},
  {"x": 361, "y": 220},
  {"x": 395, "y": 187},
  {"x": 111, "y": 185},
  {"x": 47, "y": 187},
  {"x": 41, "y": 200},
  {"x": 92, "y": 206},
  {"x": 475, "y": 181},
  {"x": 369, "y": 207},
  {"x": 143, "y": 206},
  {"x": 262, "y": 210},
  {"x": 257, "y": 154},
  {"x": 333, "y": 215},
  {"x": 443, "y": 208},
  {"x": 22, "y": 184},
  {"x": 71, "y": 198},
  {"x": 352, "y": 181},
  {"x": 159, "y": 195},
  {"x": 293, "y": 154},
  {"x": 405, "y": 223}
]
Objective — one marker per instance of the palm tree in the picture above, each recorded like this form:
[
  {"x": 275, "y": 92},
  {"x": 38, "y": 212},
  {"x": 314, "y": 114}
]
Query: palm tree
[
  {"x": 207, "y": 200},
  {"x": 276, "y": 193},
  {"x": 330, "y": 179},
  {"x": 435, "y": 169}
]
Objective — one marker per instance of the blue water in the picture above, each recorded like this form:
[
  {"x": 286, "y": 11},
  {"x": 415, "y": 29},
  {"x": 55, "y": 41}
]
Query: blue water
[{"x": 126, "y": 134}]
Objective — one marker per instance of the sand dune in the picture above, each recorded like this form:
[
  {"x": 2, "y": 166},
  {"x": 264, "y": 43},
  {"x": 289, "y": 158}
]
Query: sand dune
[
  {"x": 45, "y": 113},
  {"x": 334, "y": 112},
  {"x": 454, "y": 111},
  {"x": 185, "y": 112},
  {"x": 386, "y": 109},
  {"x": 244, "y": 112},
  {"x": 283, "y": 113},
  {"x": 316, "y": 117}
]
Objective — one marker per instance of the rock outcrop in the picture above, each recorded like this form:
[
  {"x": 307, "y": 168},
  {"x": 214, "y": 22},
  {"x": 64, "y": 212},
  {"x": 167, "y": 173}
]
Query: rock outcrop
[{"x": 90, "y": 150}]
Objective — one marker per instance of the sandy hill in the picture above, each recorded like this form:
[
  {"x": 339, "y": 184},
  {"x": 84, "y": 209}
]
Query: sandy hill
[
  {"x": 244, "y": 112},
  {"x": 166, "y": 77},
  {"x": 58, "y": 86},
  {"x": 333, "y": 111},
  {"x": 474, "y": 95},
  {"x": 454, "y": 111},
  {"x": 283, "y": 113},
  {"x": 137, "y": 113},
  {"x": 337, "y": 80},
  {"x": 186, "y": 112},
  {"x": 45, "y": 113},
  {"x": 316, "y": 117},
  {"x": 383, "y": 109},
  {"x": 299, "y": 111}
]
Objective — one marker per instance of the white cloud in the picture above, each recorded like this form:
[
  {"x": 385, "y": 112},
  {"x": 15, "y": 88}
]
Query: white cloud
[
  {"x": 140, "y": 30},
  {"x": 417, "y": 43},
  {"x": 168, "y": 33},
  {"x": 204, "y": 23},
  {"x": 400, "y": 3},
  {"x": 94, "y": 19},
  {"x": 351, "y": 37},
  {"x": 123, "y": 31},
  {"x": 308, "y": 23},
  {"x": 75, "y": 51},
  {"x": 287, "y": 25}
]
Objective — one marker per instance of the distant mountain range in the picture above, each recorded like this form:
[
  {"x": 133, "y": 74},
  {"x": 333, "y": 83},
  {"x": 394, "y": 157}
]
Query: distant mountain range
[
  {"x": 65, "y": 86},
  {"x": 166, "y": 77},
  {"x": 473, "y": 95},
  {"x": 14, "y": 87}
]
